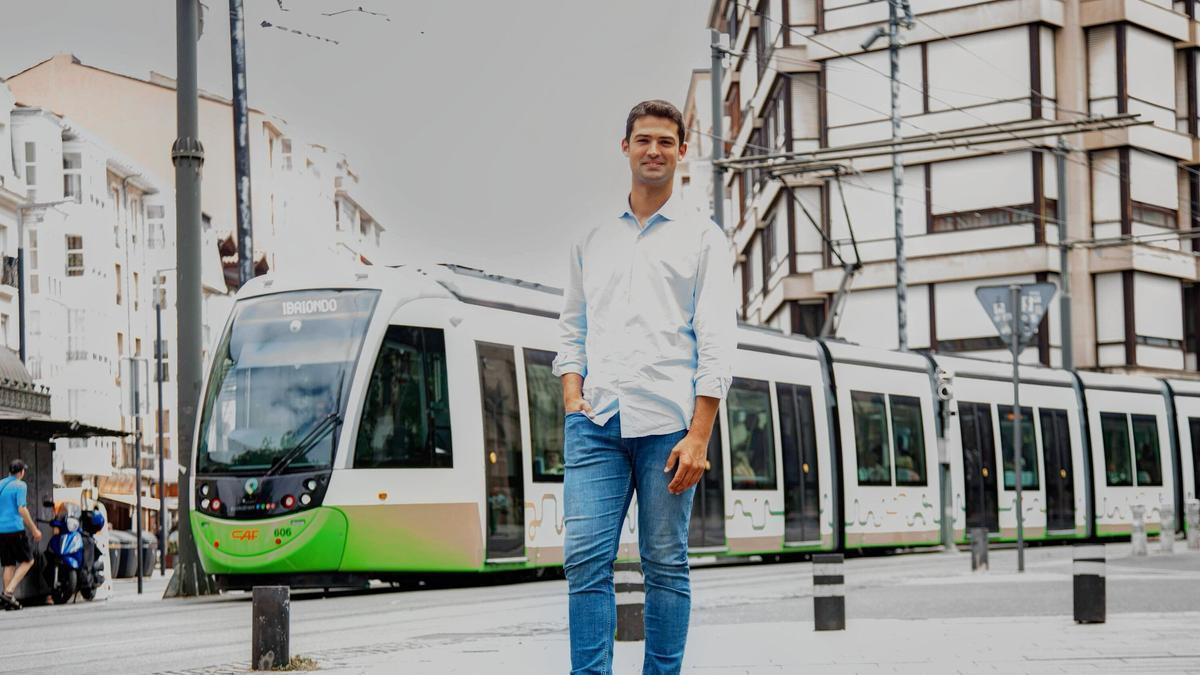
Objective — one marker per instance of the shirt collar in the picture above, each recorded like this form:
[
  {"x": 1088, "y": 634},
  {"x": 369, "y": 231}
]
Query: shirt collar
[{"x": 668, "y": 211}]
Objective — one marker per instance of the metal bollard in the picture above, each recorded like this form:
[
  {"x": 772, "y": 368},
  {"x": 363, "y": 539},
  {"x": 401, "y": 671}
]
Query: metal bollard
[
  {"x": 271, "y": 628},
  {"x": 631, "y": 601},
  {"x": 979, "y": 549},
  {"x": 1193, "y": 525},
  {"x": 1089, "y": 584},
  {"x": 1137, "y": 535},
  {"x": 1166, "y": 535},
  {"x": 829, "y": 592}
]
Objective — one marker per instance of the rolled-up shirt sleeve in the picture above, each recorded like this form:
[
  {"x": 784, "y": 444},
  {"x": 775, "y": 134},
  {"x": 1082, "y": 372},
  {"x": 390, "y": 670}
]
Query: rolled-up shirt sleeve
[
  {"x": 715, "y": 318},
  {"x": 572, "y": 322}
]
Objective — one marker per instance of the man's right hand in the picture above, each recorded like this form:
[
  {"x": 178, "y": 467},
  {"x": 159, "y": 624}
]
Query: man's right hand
[
  {"x": 37, "y": 534},
  {"x": 577, "y": 404}
]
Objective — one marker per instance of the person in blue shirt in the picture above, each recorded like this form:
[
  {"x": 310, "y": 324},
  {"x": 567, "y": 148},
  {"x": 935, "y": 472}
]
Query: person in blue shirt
[
  {"x": 16, "y": 554},
  {"x": 648, "y": 338}
]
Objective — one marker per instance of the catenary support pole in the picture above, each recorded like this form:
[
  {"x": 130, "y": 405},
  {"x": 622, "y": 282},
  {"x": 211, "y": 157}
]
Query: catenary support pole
[
  {"x": 1064, "y": 264},
  {"x": 898, "y": 177},
  {"x": 187, "y": 154},
  {"x": 241, "y": 143},
  {"x": 718, "y": 129},
  {"x": 135, "y": 372},
  {"x": 1018, "y": 478},
  {"x": 158, "y": 371}
]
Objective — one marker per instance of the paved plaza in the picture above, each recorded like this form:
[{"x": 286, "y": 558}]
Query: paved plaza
[{"x": 918, "y": 613}]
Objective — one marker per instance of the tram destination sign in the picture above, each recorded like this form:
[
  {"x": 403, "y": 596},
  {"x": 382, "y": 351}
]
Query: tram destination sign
[{"x": 1034, "y": 300}]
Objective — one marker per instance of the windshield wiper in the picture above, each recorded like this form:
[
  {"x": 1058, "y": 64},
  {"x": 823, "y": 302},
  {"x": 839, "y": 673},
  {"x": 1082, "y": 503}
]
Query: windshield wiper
[{"x": 305, "y": 444}]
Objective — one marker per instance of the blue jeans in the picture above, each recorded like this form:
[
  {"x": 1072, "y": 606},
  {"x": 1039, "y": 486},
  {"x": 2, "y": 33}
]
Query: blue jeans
[{"x": 603, "y": 471}]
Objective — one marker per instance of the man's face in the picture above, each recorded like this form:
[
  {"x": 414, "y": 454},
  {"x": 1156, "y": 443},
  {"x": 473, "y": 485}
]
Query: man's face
[{"x": 653, "y": 149}]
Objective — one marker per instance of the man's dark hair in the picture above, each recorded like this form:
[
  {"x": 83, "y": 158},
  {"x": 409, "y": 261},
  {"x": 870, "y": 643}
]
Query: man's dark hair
[
  {"x": 16, "y": 467},
  {"x": 654, "y": 108}
]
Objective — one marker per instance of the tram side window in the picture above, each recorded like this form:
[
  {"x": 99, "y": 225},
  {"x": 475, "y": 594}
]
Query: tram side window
[
  {"x": 871, "y": 438},
  {"x": 1145, "y": 450},
  {"x": 797, "y": 432},
  {"x": 406, "y": 417},
  {"x": 545, "y": 416},
  {"x": 751, "y": 435},
  {"x": 1029, "y": 465},
  {"x": 1114, "y": 429},
  {"x": 908, "y": 438}
]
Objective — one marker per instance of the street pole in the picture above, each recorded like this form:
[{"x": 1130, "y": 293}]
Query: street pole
[
  {"x": 135, "y": 372},
  {"x": 22, "y": 353},
  {"x": 718, "y": 130},
  {"x": 241, "y": 143},
  {"x": 158, "y": 370},
  {"x": 1064, "y": 265},
  {"x": 894, "y": 7},
  {"x": 187, "y": 154},
  {"x": 1015, "y": 337}
]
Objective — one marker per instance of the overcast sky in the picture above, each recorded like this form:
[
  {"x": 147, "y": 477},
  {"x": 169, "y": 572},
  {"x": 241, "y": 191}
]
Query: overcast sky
[{"x": 486, "y": 132}]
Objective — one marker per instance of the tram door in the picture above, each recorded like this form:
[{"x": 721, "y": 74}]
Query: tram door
[
  {"x": 504, "y": 484},
  {"x": 801, "y": 495},
  {"x": 979, "y": 465},
  {"x": 1194, "y": 432},
  {"x": 707, "y": 526},
  {"x": 1060, "y": 479}
]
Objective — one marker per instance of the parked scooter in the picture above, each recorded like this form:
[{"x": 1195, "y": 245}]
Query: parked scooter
[{"x": 71, "y": 561}]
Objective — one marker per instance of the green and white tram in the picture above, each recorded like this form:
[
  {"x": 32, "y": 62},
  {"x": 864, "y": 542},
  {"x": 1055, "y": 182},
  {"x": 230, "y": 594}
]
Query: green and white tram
[{"x": 385, "y": 421}]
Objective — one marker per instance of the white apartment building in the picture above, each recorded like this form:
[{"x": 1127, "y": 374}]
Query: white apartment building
[
  {"x": 97, "y": 228},
  {"x": 798, "y": 78},
  {"x": 307, "y": 204}
]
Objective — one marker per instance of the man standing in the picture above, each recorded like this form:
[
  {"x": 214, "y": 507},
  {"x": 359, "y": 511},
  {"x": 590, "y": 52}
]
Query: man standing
[
  {"x": 16, "y": 555},
  {"x": 648, "y": 337}
]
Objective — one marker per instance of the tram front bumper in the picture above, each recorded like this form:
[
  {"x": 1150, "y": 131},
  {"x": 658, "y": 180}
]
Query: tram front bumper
[{"x": 307, "y": 541}]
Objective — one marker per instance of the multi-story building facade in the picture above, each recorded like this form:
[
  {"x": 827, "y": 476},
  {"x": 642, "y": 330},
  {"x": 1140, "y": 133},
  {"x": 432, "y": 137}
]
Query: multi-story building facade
[
  {"x": 98, "y": 228},
  {"x": 798, "y": 78},
  {"x": 306, "y": 200}
]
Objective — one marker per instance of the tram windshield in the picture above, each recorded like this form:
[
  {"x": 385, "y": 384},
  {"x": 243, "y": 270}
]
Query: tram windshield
[{"x": 279, "y": 381}]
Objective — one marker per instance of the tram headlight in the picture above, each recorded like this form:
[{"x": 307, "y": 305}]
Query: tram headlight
[
  {"x": 305, "y": 499},
  {"x": 204, "y": 503},
  {"x": 288, "y": 501},
  {"x": 216, "y": 504},
  {"x": 310, "y": 485},
  {"x": 204, "y": 489}
]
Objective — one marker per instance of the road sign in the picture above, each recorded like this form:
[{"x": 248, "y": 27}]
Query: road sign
[{"x": 997, "y": 302}]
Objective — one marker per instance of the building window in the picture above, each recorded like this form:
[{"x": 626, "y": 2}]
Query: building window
[
  {"x": 544, "y": 391},
  {"x": 156, "y": 236},
  {"x": 137, "y": 291},
  {"x": 993, "y": 217},
  {"x": 76, "y": 335},
  {"x": 73, "y": 176},
  {"x": 1029, "y": 467},
  {"x": 406, "y": 418},
  {"x": 1157, "y": 216},
  {"x": 751, "y": 435},
  {"x": 808, "y": 318},
  {"x": 769, "y": 252},
  {"x": 74, "y": 255},
  {"x": 31, "y": 169},
  {"x": 117, "y": 274},
  {"x": 285, "y": 148}
]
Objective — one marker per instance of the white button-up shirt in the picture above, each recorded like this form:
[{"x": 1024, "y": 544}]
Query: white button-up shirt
[{"x": 649, "y": 319}]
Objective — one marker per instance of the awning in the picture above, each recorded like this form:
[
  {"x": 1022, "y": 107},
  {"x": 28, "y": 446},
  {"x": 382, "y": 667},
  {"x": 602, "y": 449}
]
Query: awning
[
  {"x": 148, "y": 503},
  {"x": 23, "y": 425}
]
